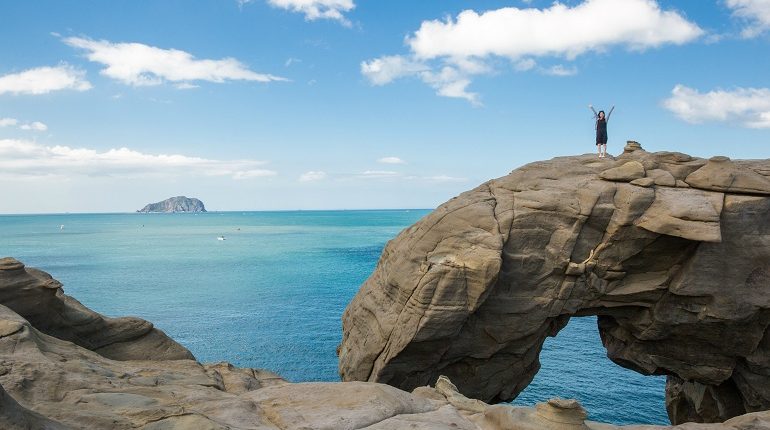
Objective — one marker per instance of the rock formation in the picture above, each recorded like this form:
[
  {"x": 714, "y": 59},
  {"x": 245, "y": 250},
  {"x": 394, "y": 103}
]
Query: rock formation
[
  {"x": 670, "y": 251},
  {"x": 37, "y": 297},
  {"x": 47, "y": 383},
  {"x": 175, "y": 204}
]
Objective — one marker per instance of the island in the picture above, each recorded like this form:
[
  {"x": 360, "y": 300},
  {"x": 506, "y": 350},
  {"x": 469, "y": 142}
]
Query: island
[{"x": 175, "y": 204}]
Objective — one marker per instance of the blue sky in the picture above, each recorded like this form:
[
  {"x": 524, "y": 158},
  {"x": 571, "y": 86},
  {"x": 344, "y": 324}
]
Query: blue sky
[{"x": 324, "y": 104}]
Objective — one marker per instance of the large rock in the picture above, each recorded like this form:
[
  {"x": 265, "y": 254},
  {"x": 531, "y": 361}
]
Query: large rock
[
  {"x": 39, "y": 298},
  {"x": 721, "y": 174},
  {"x": 53, "y": 384},
  {"x": 676, "y": 268}
]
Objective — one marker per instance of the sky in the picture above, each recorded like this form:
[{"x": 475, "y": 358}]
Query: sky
[{"x": 357, "y": 104}]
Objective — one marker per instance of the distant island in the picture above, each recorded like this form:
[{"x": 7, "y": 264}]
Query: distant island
[{"x": 175, "y": 204}]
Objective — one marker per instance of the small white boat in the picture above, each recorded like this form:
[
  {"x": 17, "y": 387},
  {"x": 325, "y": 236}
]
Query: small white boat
[
  {"x": 221, "y": 238},
  {"x": 61, "y": 227}
]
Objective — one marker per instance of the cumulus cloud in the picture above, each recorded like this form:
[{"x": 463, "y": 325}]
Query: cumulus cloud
[
  {"x": 560, "y": 70},
  {"x": 524, "y": 65},
  {"x": 318, "y": 9},
  {"x": 8, "y": 122},
  {"x": 312, "y": 176},
  {"x": 747, "y": 107},
  {"x": 34, "y": 126},
  {"x": 756, "y": 13},
  {"x": 385, "y": 70},
  {"x": 378, "y": 174},
  {"x": 23, "y": 158},
  {"x": 139, "y": 64},
  {"x": 391, "y": 160},
  {"x": 447, "y": 53},
  {"x": 43, "y": 80}
]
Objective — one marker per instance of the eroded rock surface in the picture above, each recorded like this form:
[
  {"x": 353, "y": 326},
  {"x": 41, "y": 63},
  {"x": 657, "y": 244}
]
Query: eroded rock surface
[
  {"x": 52, "y": 384},
  {"x": 670, "y": 251},
  {"x": 38, "y": 298}
]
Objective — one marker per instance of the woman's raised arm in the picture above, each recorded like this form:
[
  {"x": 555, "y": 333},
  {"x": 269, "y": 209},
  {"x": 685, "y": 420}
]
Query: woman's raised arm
[{"x": 608, "y": 115}]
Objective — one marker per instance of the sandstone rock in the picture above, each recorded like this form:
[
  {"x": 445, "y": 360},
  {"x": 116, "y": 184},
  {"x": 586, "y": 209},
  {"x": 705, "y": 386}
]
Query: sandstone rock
[
  {"x": 677, "y": 276},
  {"x": 37, "y": 297},
  {"x": 14, "y": 416},
  {"x": 722, "y": 174},
  {"x": 626, "y": 172},
  {"x": 643, "y": 182},
  {"x": 689, "y": 214},
  {"x": 662, "y": 177},
  {"x": 50, "y": 384},
  {"x": 631, "y": 146}
]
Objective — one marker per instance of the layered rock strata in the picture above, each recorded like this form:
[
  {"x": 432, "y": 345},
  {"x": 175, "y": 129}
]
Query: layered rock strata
[
  {"x": 48, "y": 383},
  {"x": 672, "y": 253},
  {"x": 38, "y": 298}
]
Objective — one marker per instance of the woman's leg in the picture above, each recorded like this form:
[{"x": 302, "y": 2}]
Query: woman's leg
[
  {"x": 604, "y": 150},
  {"x": 599, "y": 149}
]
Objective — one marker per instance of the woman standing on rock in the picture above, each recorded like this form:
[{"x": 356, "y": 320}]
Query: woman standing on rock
[{"x": 601, "y": 130}]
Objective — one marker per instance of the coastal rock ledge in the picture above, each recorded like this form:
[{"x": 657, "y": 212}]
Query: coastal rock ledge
[
  {"x": 63, "y": 366},
  {"x": 671, "y": 252}
]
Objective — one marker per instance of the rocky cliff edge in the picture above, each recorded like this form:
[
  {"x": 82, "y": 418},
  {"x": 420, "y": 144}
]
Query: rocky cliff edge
[
  {"x": 47, "y": 383},
  {"x": 671, "y": 252}
]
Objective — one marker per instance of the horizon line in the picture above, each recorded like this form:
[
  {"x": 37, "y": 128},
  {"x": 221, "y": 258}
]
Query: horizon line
[{"x": 215, "y": 211}]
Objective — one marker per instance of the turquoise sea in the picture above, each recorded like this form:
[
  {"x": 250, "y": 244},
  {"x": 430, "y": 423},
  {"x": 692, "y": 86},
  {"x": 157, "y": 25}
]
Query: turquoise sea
[{"x": 271, "y": 294}]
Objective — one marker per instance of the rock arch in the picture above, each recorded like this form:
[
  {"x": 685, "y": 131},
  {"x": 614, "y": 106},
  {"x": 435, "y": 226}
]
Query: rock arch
[{"x": 671, "y": 252}]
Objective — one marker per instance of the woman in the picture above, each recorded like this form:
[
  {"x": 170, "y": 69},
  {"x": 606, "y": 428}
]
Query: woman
[{"x": 601, "y": 130}]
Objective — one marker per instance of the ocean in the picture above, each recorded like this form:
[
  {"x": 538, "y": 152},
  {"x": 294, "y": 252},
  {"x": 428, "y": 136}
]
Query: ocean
[{"x": 272, "y": 293}]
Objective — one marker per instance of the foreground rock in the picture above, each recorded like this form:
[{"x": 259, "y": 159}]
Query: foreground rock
[
  {"x": 38, "y": 298},
  {"x": 175, "y": 204},
  {"x": 48, "y": 383},
  {"x": 670, "y": 251}
]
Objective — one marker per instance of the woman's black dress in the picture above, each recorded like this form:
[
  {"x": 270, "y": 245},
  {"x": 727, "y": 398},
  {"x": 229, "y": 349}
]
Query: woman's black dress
[{"x": 601, "y": 131}]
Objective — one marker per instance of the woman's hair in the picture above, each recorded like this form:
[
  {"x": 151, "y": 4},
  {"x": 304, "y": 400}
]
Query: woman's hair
[{"x": 601, "y": 114}]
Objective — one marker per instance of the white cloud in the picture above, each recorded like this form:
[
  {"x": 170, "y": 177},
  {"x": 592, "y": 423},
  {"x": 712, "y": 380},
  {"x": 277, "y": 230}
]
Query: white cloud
[
  {"x": 451, "y": 82},
  {"x": 34, "y": 126},
  {"x": 23, "y": 158},
  {"x": 747, "y": 107},
  {"x": 253, "y": 173},
  {"x": 557, "y": 31},
  {"x": 378, "y": 174},
  {"x": 560, "y": 70},
  {"x": 447, "y": 54},
  {"x": 312, "y": 176},
  {"x": 318, "y": 9},
  {"x": 525, "y": 64},
  {"x": 43, "y": 80},
  {"x": 291, "y": 61},
  {"x": 755, "y": 12},
  {"x": 186, "y": 86},
  {"x": 391, "y": 160},
  {"x": 385, "y": 70},
  {"x": 8, "y": 122},
  {"x": 138, "y": 64}
]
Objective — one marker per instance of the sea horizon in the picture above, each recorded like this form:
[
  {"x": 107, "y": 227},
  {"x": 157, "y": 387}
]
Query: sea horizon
[{"x": 217, "y": 211}]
